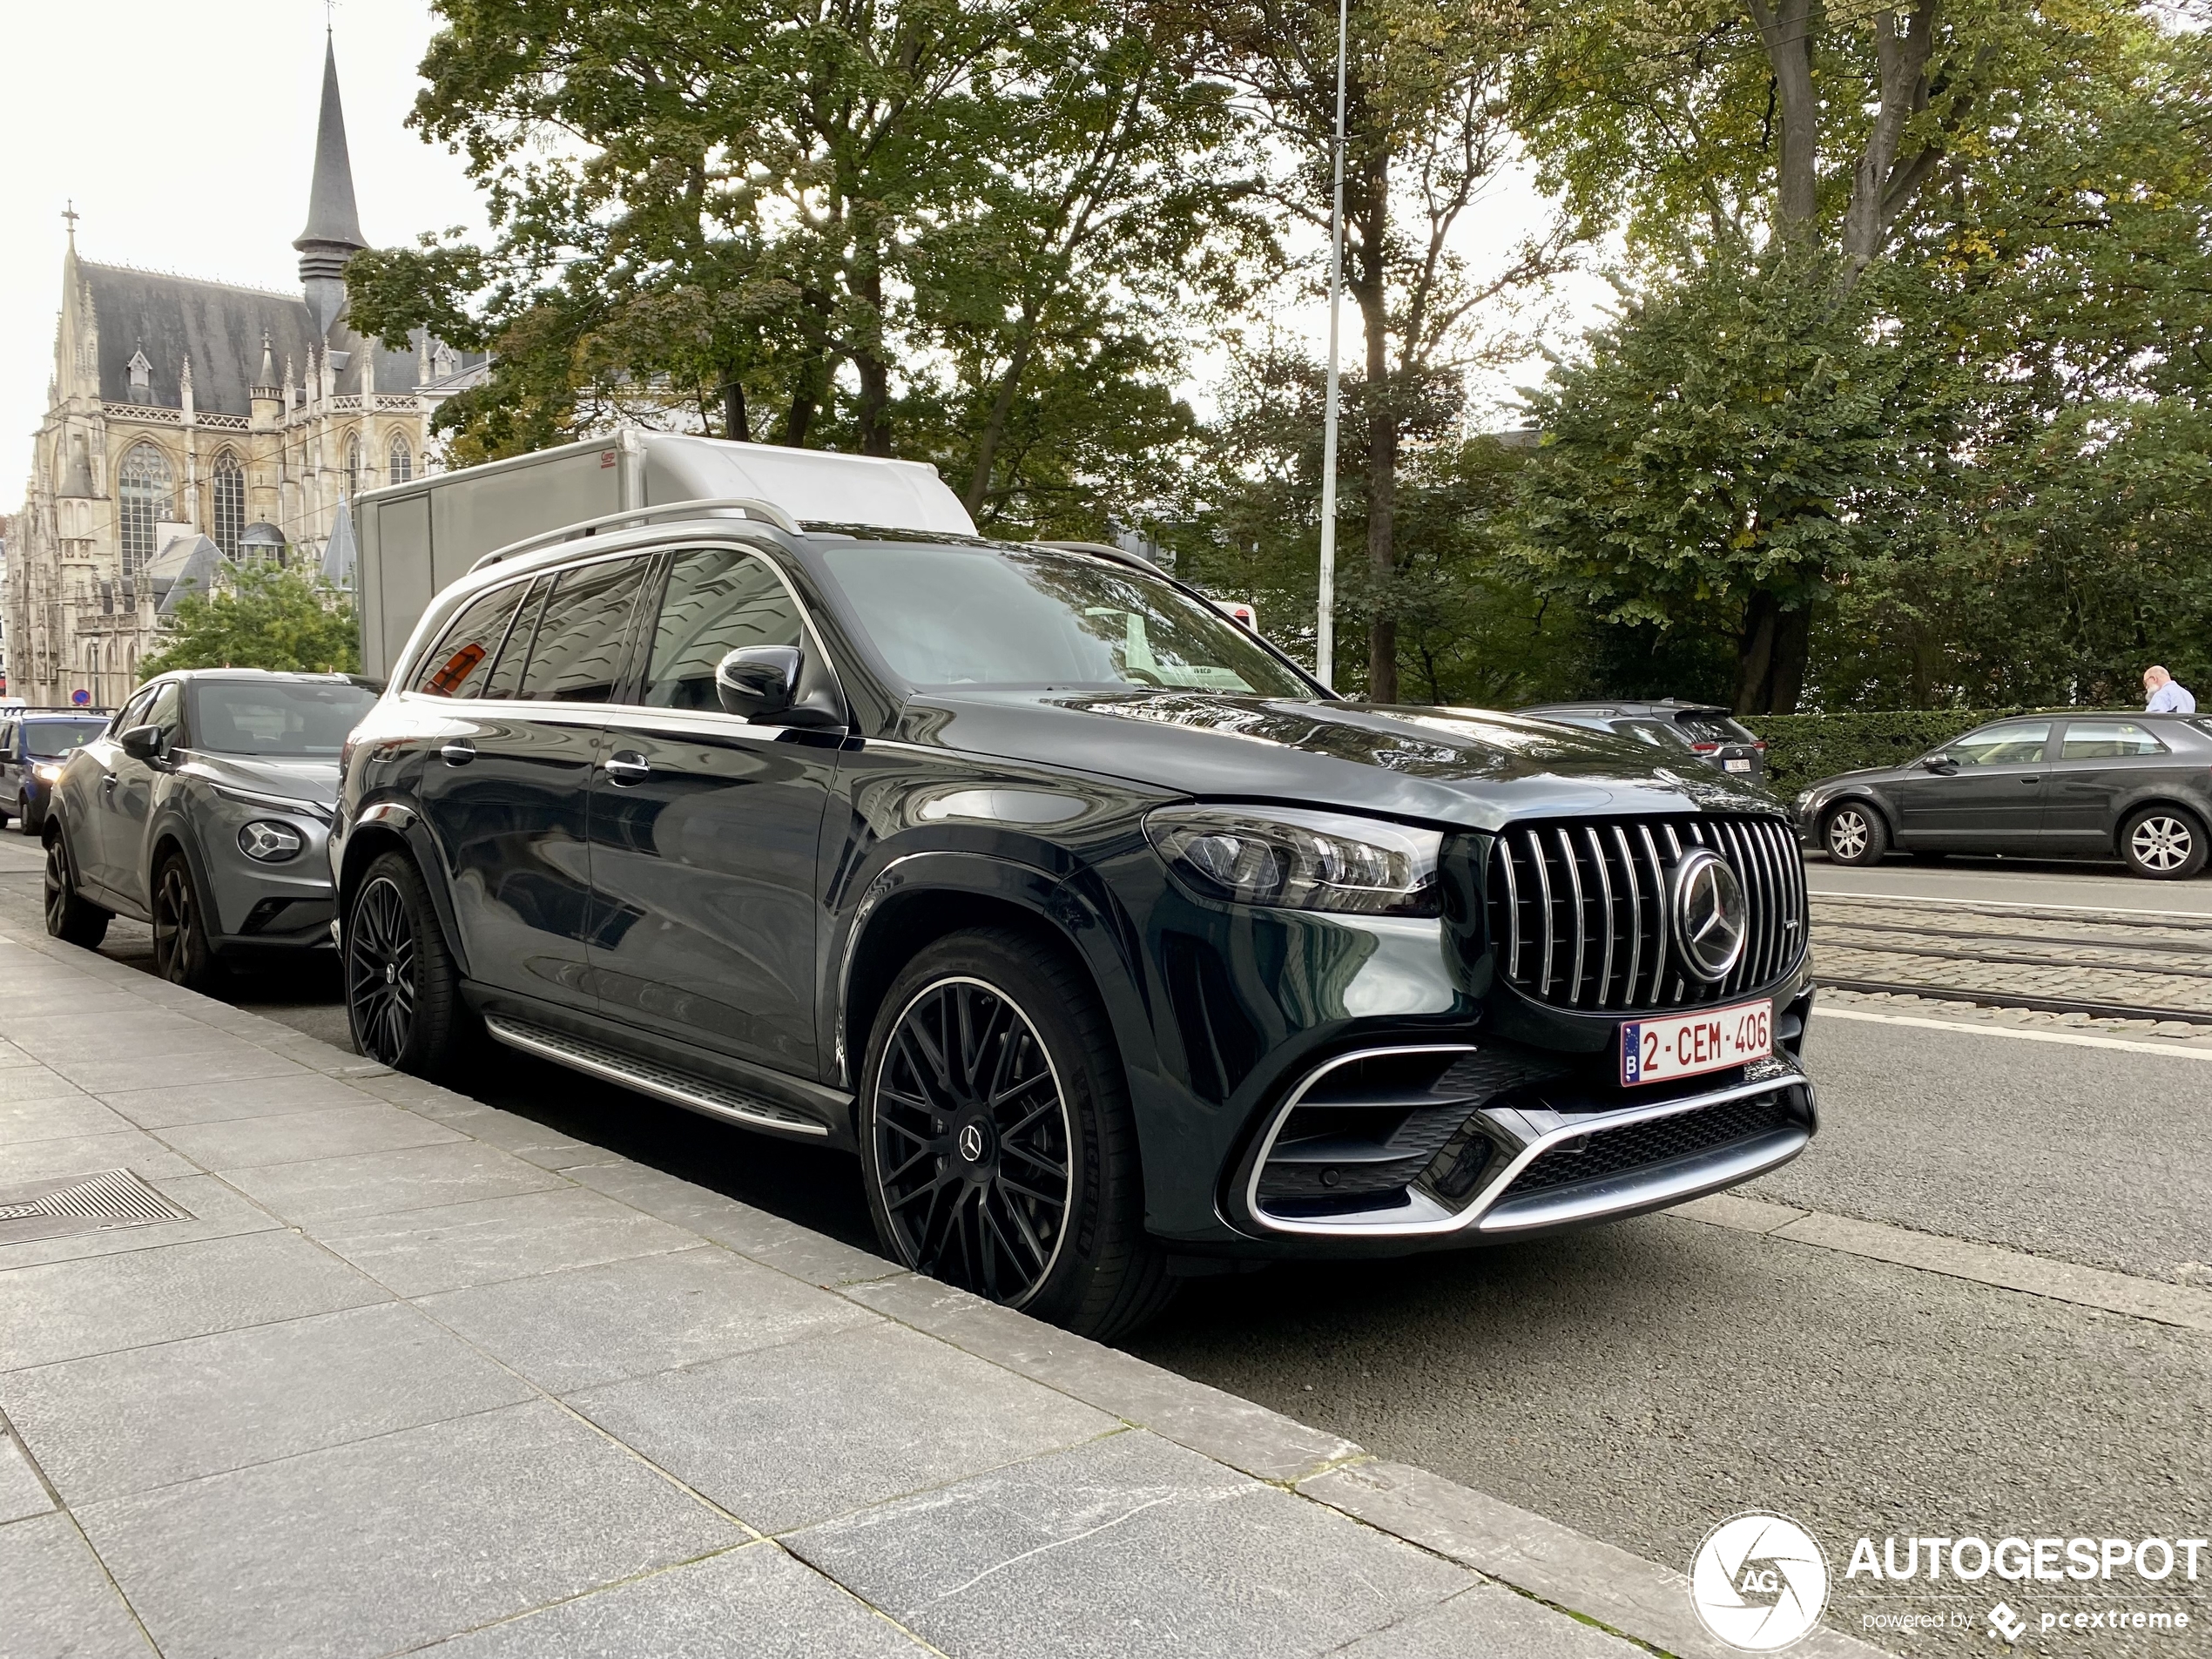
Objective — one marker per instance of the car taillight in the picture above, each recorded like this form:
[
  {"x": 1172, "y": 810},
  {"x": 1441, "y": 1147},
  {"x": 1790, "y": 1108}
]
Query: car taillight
[
  {"x": 1705, "y": 748},
  {"x": 1760, "y": 745}
]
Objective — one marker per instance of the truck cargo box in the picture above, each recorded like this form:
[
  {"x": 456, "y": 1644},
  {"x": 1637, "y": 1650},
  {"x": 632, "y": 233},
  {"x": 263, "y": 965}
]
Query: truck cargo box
[{"x": 417, "y": 537}]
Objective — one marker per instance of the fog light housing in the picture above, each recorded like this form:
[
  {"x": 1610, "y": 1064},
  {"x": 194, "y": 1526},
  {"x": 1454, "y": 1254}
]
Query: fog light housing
[{"x": 266, "y": 841}]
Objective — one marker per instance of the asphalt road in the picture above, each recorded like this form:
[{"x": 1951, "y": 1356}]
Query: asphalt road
[
  {"x": 1643, "y": 1382},
  {"x": 1994, "y": 881}
]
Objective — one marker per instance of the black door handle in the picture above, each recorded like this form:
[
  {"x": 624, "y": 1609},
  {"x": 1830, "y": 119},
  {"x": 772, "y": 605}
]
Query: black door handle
[
  {"x": 2031, "y": 781},
  {"x": 627, "y": 766},
  {"x": 458, "y": 752}
]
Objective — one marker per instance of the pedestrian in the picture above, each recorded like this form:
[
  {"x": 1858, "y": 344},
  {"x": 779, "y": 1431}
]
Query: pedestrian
[{"x": 2167, "y": 695}]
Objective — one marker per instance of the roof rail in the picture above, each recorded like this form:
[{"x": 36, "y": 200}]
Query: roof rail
[{"x": 768, "y": 512}]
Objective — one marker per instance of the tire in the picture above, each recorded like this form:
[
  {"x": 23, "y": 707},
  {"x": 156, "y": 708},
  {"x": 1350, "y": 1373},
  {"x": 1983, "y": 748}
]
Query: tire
[
  {"x": 27, "y": 823},
  {"x": 1033, "y": 1195},
  {"x": 71, "y": 919},
  {"x": 2162, "y": 843},
  {"x": 181, "y": 953},
  {"x": 1854, "y": 833},
  {"x": 403, "y": 999}
]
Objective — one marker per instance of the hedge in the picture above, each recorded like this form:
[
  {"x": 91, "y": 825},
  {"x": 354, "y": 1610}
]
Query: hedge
[{"x": 1803, "y": 748}]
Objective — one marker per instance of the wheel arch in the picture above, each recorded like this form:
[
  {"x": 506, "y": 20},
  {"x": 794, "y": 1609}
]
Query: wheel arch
[
  {"x": 2165, "y": 799},
  {"x": 1866, "y": 798},
  {"x": 390, "y": 827}
]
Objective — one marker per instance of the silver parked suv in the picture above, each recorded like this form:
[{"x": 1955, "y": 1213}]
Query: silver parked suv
[{"x": 203, "y": 809}]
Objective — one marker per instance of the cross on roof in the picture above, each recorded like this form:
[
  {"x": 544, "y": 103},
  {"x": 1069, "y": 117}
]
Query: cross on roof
[{"x": 71, "y": 213}]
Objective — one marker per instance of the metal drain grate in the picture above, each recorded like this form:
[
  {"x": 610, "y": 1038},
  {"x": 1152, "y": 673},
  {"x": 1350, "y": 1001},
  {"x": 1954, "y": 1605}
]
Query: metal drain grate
[{"x": 82, "y": 1203}]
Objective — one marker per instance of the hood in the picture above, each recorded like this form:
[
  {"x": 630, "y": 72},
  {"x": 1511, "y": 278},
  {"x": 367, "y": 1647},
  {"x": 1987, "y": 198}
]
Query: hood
[
  {"x": 1464, "y": 767},
  {"x": 313, "y": 781}
]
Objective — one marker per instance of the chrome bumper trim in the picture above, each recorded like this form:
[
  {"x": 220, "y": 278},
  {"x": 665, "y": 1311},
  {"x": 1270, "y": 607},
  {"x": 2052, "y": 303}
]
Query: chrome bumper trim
[{"x": 1671, "y": 1182}]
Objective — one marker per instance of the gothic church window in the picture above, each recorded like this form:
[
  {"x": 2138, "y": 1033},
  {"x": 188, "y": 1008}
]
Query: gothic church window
[
  {"x": 144, "y": 483},
  {"x": 352, "y": 471},
  {"x": 402, "y": 462},
  {"x": 230, "y": 501}
]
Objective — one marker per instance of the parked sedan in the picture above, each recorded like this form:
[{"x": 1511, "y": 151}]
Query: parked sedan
[
  {"x": 1703, "y": 729},
  {"x": 33, "y": 745},
  {"x": 203, "y": 809},
  {"x": 2056, "y": 785}
]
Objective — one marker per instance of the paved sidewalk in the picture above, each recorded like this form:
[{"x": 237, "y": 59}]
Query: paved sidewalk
[{"x": 413, "y": 1374}]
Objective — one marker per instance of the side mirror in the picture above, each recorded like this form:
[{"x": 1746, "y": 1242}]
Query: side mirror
[
  {"x": 142, "y": 743},
  {"x": 1939, "y": 762},
  {"x": 757, "y": 681}
]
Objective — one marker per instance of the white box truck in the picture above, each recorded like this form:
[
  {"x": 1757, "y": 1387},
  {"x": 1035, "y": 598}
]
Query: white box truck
[{"x": 415, "y": 538}]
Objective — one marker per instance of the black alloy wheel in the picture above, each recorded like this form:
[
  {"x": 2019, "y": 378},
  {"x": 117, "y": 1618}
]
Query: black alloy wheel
[
  {"x": 181, "y": 953},
  {"x": 68, "y": 917},
  {"x": 999, "y": 1148},
  {"x": 972, "y": 1138},
  {"x": 2163, "y": 843},
  {"x": 403, "y": 987}
]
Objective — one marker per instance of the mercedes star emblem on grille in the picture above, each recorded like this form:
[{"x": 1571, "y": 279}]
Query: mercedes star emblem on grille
[{"x": 1712, "y": 919}]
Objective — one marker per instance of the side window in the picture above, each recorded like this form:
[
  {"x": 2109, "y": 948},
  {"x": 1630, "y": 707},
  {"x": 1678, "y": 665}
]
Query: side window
[
  {"x": 2107, "y": 740},
  {"x": 460, "y": 661},
  {"x": 2017, "y": 743},
  {"x": 134, "y": 713},
  {"x": 576, "y": 657},
  {"x": 166, "y": 710},
  {"x": 7, "y": 740},
  {"x": 515, "y": 656},
  {"x": 717, "y": 600}
]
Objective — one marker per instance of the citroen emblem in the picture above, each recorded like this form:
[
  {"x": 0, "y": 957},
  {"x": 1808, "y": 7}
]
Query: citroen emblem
[
  {"x": 971, "y": 1143},
  {"x": 1712, "y": 918}
]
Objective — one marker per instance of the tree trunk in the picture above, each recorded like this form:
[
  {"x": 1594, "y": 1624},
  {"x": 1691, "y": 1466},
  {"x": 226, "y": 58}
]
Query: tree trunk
[
  {"x": 986, "y": 447},
  {"x": 734, "y": 423},
  {"x": 871, "y": 412},
  {"x": 1755, "y": 655},
  {"x": 1786, "y": 29},
  {"x": 1792, "y": 652}
]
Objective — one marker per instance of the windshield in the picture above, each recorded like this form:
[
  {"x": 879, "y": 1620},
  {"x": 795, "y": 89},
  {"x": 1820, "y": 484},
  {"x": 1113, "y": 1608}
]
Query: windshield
[
  {"x": 51, "y": 739},
  {"x": 303, "y": 719},
  {"x": 1002, "y": 616}
]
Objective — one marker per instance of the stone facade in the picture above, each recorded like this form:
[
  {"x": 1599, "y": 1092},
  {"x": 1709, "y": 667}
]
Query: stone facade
[{"x": 181, "y": 408}]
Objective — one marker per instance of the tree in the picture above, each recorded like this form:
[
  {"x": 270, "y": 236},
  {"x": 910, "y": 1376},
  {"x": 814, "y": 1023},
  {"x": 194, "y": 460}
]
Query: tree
[
  {"x": 262, "y": 617},
  {"x": 1429, "y": 124},
  {"x": 910, "y": 227}
]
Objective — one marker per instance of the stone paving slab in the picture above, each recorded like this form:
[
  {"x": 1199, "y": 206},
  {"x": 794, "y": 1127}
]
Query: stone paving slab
[{"x": 420, "y": 1375}]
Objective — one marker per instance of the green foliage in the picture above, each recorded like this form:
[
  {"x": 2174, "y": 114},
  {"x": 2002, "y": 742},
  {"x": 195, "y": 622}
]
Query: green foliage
[
  {"x": 263, "y": 617},
  {"x": 1804, "y": 748}
]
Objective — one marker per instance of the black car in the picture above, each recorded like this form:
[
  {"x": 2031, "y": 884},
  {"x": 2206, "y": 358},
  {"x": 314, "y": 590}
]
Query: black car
[
  {"x": 2078, "y": 784},
  {"x": 33, "y": 745},
  {"x": 1114, "y": 945},
  {"x": 1711, "y": 733},
  {"x": 200, "y": 809}
]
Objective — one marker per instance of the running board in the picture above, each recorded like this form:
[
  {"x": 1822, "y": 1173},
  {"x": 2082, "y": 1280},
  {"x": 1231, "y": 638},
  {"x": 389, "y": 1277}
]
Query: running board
[{"x": 685, "y": 1089}]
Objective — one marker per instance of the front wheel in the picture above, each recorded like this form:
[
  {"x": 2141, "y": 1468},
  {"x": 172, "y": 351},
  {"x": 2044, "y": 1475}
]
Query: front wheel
[
  {"x": 1854, "y": 833},
  {"x": 2163, "y": 843},
  {"x": 402, "y": 986},
  {"x": 996, "y": 1138},
  {"x": 72, "y": 920},
  {"x": 181, "y": 953}
]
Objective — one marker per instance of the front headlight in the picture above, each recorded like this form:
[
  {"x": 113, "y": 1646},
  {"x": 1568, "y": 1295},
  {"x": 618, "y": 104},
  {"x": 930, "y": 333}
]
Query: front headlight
[
  {"x": 1300, "y": 860},
  {"x": 48, "y": 771},
  {"x": 267, "y": 841}
]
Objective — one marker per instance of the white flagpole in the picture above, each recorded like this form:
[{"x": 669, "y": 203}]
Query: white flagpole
[{"x": 1325, "y": 647}]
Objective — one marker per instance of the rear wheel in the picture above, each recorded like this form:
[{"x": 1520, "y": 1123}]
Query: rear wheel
[
  {"x": 1854, "y": 833},
  {"x": 181, "y": 953},
  {"x": 68, "y": 917},
  {"x": 2163, "y": 843},
  {"x": 403, "y": 987},
  {"x": 999, "y": 1150}
]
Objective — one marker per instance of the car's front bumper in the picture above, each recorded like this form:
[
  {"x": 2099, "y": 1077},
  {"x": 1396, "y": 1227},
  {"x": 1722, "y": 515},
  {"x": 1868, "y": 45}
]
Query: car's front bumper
[{"x": 262, "y": 905}]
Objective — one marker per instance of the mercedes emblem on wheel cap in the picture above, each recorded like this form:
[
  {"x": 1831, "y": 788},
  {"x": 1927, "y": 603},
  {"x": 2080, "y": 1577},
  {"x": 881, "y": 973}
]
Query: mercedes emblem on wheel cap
[
  {"x": 1712, "y": 918},
  {"x": 971, "y": 1143}
]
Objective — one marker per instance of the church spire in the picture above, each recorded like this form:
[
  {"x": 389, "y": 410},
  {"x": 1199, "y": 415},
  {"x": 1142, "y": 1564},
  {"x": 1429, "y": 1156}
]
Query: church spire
[{"x": 333, "y": 232}]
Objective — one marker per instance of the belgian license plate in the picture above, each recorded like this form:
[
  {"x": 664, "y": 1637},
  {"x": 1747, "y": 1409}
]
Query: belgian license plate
[
  {"x": 1654, "y": 1051},
  {"x": 1738, "y": 765}
]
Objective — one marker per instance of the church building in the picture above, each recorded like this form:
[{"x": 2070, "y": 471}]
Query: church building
[{"x": 191, "y": 422}]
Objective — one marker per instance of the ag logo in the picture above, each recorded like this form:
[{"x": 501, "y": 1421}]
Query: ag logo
[{"x": 1758, "y": 1582}]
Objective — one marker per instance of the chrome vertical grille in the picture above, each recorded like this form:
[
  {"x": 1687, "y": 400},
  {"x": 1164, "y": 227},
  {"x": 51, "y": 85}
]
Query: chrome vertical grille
[{"x": 1579, "y": 915}]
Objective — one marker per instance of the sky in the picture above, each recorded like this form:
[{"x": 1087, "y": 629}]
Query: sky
[{"x": 183, "y": 130}]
